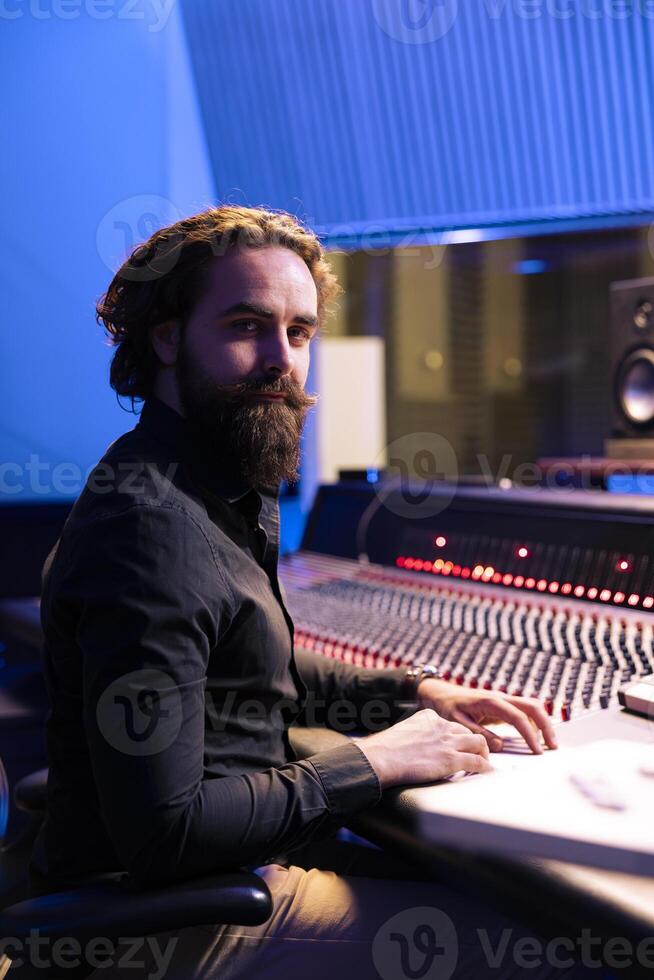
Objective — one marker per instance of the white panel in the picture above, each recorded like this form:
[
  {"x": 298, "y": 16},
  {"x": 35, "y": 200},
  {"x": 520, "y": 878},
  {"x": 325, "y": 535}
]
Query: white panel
[{"x": 351, "y": 414}]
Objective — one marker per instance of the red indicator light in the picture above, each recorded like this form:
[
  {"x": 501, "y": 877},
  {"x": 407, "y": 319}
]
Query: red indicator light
[
  {"x": 530, "y": 583},
  {"x": 579, "y": 591},
  {"x": 592, "y": 592},
  {"x": 447, "y": 567},
  {"x": 408, "y": 563},
  {"x": 417, "y": 564},
  {"x": 488, "y": 573},
  {"x": 518, "y": 581},
  {"x": 440, "y": 541},
  {"x": 633, "y": 599},
  {"x": 456, "y": 571},
  {"x": 478, "y": 571},
  {"x": 507, "y": 579},
  {"x": 618, "y": 597},
  {"x": 400, "y": 562},
  {"x": 566, "y": 588},
  {"x": 541, "y": 585},
  {"x": 648, "y": 602},
  {"x": 554, "y": 587},
  {"x": 465, "y": 573},
  {"x": 497, "y": 578},
  {"x": 605, "y": 595},
  {"x": 522, "y": 552},
  {"x": 623, "y": 565}
]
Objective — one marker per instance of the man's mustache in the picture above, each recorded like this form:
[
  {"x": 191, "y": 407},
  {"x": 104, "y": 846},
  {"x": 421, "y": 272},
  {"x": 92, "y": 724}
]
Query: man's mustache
[{"x": 296, "y": 396}]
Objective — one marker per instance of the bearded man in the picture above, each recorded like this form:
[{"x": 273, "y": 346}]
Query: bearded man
[{"x": 165, "y": 626}]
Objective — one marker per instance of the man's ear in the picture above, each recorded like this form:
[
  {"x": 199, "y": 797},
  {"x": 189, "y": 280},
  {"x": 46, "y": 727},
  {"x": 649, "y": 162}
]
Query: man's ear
[{"x": 165, "y": 338}]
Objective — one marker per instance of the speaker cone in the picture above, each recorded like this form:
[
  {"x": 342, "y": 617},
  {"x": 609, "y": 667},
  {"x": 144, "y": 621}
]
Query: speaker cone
[{"x": 635, "y": 387}]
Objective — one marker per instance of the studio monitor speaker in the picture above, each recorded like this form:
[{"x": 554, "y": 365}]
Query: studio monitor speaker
[{"x": 632, "y": 363}]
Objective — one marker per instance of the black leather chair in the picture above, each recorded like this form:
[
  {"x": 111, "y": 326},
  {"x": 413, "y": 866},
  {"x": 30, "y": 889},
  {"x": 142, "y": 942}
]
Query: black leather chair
[{"x": 108, "y": 905}]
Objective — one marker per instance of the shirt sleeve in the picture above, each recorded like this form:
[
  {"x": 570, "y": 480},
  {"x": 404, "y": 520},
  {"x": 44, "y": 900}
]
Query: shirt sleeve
[
  {"x": 341, "y": 694},
  {"x": 155, "y": 603}
]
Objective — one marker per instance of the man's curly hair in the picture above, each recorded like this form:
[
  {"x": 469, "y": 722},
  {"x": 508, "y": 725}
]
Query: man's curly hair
[{"x": 164, "y": 277}]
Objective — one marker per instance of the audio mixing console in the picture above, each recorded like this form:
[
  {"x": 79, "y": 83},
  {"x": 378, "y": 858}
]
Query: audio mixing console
[{"x": 545, "y": 595}]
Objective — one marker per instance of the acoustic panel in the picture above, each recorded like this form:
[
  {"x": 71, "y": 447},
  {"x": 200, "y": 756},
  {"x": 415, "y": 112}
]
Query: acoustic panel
[{"x": 388, "y": 120}]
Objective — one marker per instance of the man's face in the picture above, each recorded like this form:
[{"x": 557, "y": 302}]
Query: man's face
[{"x": 249, "y": 335}]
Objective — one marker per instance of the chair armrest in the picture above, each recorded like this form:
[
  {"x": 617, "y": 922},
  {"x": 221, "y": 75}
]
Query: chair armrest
[{"x": 107, "y": 907}]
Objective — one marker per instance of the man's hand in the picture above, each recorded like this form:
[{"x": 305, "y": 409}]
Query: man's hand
[
  {"x": 422, "y": 748},
  {"x": 475, "y": 709}
]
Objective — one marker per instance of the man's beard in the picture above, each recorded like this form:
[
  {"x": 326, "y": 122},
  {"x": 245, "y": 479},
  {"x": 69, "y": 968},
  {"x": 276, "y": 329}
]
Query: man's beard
[{"x": 260, "y": 439}]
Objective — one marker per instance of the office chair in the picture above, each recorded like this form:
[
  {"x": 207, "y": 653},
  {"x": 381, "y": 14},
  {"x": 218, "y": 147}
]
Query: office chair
[{"x": 108, "y": 906}]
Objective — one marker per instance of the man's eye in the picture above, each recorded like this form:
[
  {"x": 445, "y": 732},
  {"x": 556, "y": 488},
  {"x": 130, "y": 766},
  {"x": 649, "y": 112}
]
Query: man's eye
[
  {"x": 243, "y": 324},
  {"x": 304, "y": 334}
]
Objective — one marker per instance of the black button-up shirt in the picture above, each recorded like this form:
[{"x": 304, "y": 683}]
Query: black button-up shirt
[{"x": 172, "y": 677}]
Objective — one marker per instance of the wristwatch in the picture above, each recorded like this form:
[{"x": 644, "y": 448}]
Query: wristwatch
[{"x": 420, "y": 672}]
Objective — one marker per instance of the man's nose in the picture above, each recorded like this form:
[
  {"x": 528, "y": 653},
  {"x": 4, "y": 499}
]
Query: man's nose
[{"x": 276, "y": 354}]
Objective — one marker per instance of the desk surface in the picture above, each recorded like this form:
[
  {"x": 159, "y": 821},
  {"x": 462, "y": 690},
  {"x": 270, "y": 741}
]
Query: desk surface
[{"x": 530, "y": 806}]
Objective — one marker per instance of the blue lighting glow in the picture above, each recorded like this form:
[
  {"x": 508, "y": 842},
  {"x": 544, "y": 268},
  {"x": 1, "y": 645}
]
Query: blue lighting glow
[
  {"x": 531, "y": 267},
  {"x": 642, "y": 483}
]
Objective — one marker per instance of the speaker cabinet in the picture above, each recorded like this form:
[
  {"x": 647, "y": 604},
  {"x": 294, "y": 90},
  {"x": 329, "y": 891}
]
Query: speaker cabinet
[{"x": 632, "y": 359}]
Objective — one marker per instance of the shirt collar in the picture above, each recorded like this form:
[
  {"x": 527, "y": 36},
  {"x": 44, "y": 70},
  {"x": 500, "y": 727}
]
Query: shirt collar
[{"x": 171, "y": 429}]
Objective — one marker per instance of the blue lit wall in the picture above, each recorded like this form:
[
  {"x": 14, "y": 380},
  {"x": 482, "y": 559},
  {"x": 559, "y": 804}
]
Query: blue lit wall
[
  {"x": 102, "y": 143},
  {"x": 370, "y": 115}
]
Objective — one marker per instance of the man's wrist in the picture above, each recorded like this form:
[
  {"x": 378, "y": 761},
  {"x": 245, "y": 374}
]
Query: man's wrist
[{"x": 418, "y": 673}]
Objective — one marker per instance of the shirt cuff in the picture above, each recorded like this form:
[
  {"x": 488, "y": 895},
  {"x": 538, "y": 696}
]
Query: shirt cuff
[
  {"x": 350, "y": 782},
  {"x": 407, "y": 687}
]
